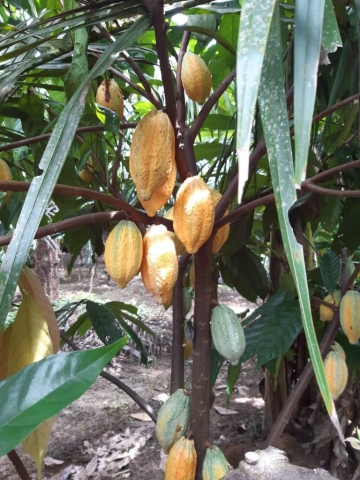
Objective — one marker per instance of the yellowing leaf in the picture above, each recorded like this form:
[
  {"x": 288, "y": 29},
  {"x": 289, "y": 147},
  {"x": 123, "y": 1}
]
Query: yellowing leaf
[
  {"x": 4, "y": 352},
  {"x": 29, "y": 281},
  {"x": 36, "y": 443},
  {"x": 30, "y": 339}
]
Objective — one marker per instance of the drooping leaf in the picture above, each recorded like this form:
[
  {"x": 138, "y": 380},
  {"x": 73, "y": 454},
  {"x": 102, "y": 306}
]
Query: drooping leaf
[
  {"x": 216, "y": 362},
  {"x": 330, "y": 270},
  {"x": 231, "y": 379},
  {"x": 331, "y": 38}
]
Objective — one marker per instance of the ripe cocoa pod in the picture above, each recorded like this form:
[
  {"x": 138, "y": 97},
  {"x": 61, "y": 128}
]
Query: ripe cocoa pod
[
  {"x": 350, "y": 315},
  {"x": 194, "y": 213},
  {"x": 109, "y": 95},
  {"x": 86, "y": 173},
  {"x": 222, "y": 234},
  {"x": 326, "y": 313},
  {"x": 179, "y": 247},
  {"x": 160, "y": 196},
  {"x": 5, "y": 175},
  {"x": 188, "y": 349},
  {"x": 173, "y": 419},
  {"x": 195, "y": 77},
  {"x": 215, "y": 465},
  {"x": 152, "y": 153},
  {"x": 159, "y": 267},
  {"x": 336, "y": 370},
  {"x": 181, "y": 462},
  {"x": 227, "y": 333},
  {"x": 123, "y": 252}
]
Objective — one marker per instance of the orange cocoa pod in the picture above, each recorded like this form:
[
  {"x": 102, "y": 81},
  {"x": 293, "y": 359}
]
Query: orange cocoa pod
[
  {"x": 159, "y": 267},
  {"x": 5, "y": 175},
  {"x": 152, "y": 153},
  {"x": 86, "y": 173},
  {"x": 181, "y": 462},
  {"x": 350, "y": 315},
  {"x": 179, "y": 247},
  {"x": 194, "y": 213},
  {"x": 222, "y": 234},
  {"x": 109, "y": 95},
  {"x": 336, "y": 370},
  {"x": 195, "y": 77},
  {"x": 326, "y": 313}
]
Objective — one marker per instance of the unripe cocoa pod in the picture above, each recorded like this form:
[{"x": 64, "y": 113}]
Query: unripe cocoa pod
[
  {"x": 227, "y": 333},
  {"x": 5, "y": 175},
  {"x": 350, "y": 315},
  {"x": 179, "y": 247},
  {"x": 160, "y": 196},
  {"x": 326, "y": 313},
  {"x": 194, "y": 213},
  {"x": 159, "y": 268},
  {"x": 86, "y": 173},
  {"x": 123, "y": 252},
  {"x": 215, "y": 465},
  {"x": 173, "y": 419},
  {"x": 222, "y": 234},
  {"x": 336, "y": 370},
  {"x": 152, "y": 153},
  {"x": 181, "y": 462},
  {"x": 195, "y": 77},
  {"x": 109, "y": 95}
]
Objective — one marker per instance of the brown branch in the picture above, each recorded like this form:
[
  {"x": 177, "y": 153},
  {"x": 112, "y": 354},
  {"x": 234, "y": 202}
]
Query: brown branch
[
  {"x": 211, "y": 101},
  {"x": 332, "y": 171},
  {"x": 180, "y": 97},
  {"x": 18, "y": 464},
  {"x": 41, "y": 138},
  {"x": 335, "y": 107},
  {"x": 352, "y": 277},
  {"x": 329, "y": 191},
  {"x": 75, "y": 222},
  {"x": 133, "y": 395}
]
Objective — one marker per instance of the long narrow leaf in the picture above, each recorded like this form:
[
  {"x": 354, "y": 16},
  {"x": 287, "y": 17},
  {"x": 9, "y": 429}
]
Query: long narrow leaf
[
  {"x": 51, "y": 163},
  {"x": 307, "y": 40},
  {"x": 331, "y": 38},
  {"x": 274, "y": 117},
  {"x": 254, "y": 29}
]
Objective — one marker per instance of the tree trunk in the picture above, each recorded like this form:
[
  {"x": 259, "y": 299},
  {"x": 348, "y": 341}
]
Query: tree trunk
[{"x": 46, "y": 267}]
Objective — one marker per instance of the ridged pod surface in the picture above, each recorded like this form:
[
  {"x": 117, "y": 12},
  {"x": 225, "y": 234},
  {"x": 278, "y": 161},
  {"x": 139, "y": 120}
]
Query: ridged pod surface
[
  {"x": 215, "y": 465},
  {"x": 194, "y": 213},
  {"x": 326, "y": 313},
  {"x": 180, "y": 249},
  {"x": 227, "y": 333},
  {"x": 173, "y": 419},
  {"x": 336, "y": 370},
  {"x": 123, "y": 252},
  {"x": 181, "y": 462},
  {"x": 350, "y": 315},
  {"x": 5, "y": 175},
  {"x": 159, "y": 268},
  {"x": 152, "y": 153},
  {"x": 222, "y": 234},
  {"x": 109, "y": 95},
  {"x": 160, "y": 196},
  {"x": 195, "y": 77},
  {"x": 86, "y": 173}
]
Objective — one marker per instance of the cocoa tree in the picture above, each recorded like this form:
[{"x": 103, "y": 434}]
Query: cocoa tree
[{"x": 277, "y": 137}]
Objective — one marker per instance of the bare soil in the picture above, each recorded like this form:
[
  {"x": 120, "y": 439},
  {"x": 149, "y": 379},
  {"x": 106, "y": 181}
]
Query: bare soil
[{"x": 98, "y": 436}]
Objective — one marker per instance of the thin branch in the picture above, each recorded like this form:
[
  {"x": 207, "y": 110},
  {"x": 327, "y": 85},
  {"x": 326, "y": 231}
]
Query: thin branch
[
  {"x": 133, "y": 395},
  {"x": 352, "y": 277},
  {"x": 335, "y": 107},
  {"x": 333, "y": 171},
  {"x": 211, "y": 101},
  {"x": 180, "y": 97},
  {"x": 18, "y": 464},
  {"x": 46, "y": 136},
  {"x": 329, "y": 191}
]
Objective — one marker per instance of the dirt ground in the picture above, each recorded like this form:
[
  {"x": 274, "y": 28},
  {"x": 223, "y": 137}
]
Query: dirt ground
[{"x": 104, "y": 434}]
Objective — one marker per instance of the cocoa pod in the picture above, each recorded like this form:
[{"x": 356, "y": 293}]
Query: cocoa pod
[
  {"x": 195, "y": 77},
  {"x": 109, "y": 95},
  {"x": 181, "y": 462}
]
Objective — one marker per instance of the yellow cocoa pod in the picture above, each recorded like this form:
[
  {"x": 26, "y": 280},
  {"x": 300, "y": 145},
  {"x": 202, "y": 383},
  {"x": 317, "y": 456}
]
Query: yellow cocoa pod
[
  {"x": 336, "y": 370},
  {"x": 152, "y": 153},
  {"x": 350, "y": 315},
  {"x": 173, "y": 419},
  {"x": 195, "y": 77},
  {"x": 159, "y": 267},
  {"x": 160, "y": 196},
  {"x": 194, "y": 213},
  {"x": 188, "y": 349},
  {"x": 181, "y": 462},
  {"x": 109, "y": 95},
  {"x": 222, "y": 234},
  {"x": 86, "y": 173},
  {"x": 326, "y": 313},
  {"x": 179, "y": 247},
  {"x": 215, "y": 465},
  {"x": 5, "y": 175},
  {"x": 123, "y": 252}
]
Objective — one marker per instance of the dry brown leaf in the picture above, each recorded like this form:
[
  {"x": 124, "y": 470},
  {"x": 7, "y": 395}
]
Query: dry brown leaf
[
  {"x": 144, "y": 417},
  {"x": 225, "y": 411}
]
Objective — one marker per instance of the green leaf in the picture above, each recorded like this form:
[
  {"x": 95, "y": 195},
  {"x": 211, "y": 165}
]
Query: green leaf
[
  {"x": 330, "y": 214},
  {"x": 307, "y": 40},
  {"x": 46, "y": 388},
  {"x": 254, "y": 29},
  {"x": 216, "y": 363},
  {"x": 347, "y": 235},
  {"x": 331, "y": 38},
  {"x": 240, "y": 231},
  {"x": 130, "y": 313},
  {"x": 52, "y": 161},
  {"x": 330, "y": 270},
  {"x": 232, "y": 378}
]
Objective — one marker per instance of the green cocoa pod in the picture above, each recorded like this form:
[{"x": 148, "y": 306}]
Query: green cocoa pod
[
  {"x": 186, "y": 301},
  {"x": 227, "y": 333},
  {"x": 215, "y": 465},
  {"x": 173, "y": 419}
]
